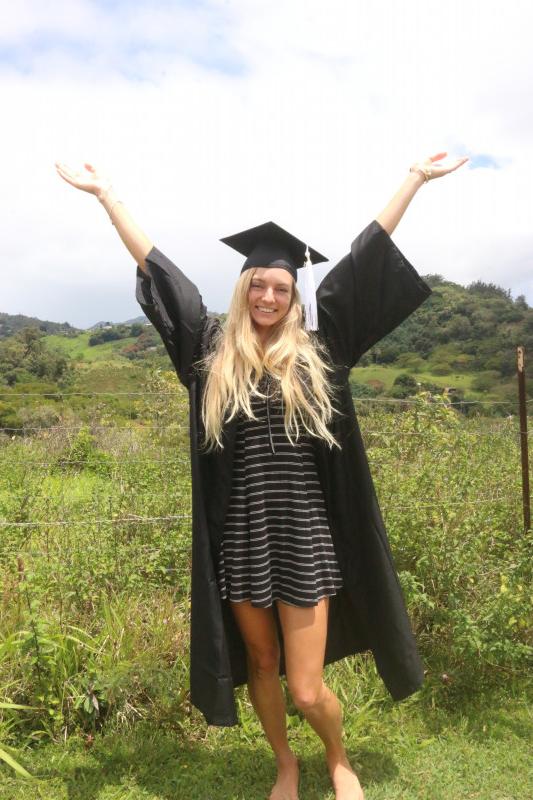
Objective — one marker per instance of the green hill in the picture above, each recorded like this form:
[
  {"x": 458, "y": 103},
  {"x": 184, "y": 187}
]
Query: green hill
[
  {"x": 13, "y": 323},
  {"x": 476, "y": 327},
  {"x": 461, "y": 341},
  {"x": 462, "y": 338}
]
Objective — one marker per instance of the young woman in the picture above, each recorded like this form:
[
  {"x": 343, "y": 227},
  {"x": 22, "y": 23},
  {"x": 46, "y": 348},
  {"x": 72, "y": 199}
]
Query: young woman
[{"x": 291, "y": 566}]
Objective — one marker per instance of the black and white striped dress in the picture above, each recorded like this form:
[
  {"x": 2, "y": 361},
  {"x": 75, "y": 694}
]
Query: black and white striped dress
[{"x": 276, "y": 543}]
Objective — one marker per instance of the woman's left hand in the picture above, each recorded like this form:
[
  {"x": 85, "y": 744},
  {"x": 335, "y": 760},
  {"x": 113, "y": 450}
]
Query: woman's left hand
[{"x": 431, "y": 169}]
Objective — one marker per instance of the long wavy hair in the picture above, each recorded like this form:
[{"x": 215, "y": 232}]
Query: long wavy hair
[{"x": 237, "y": 361}]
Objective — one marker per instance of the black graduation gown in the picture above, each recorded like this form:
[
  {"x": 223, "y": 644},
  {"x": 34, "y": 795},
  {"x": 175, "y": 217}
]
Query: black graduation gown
[{"x": 364, "y": 297}]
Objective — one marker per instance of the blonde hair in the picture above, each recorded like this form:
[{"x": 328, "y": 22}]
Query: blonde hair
[{"x": 237, "y": 361}]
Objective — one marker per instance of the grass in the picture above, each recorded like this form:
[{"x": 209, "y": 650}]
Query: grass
[
  {"x": 388, "y": 374},
  {"x": 464, "y": 564},
  {"x": 410, "y": 750},
  {"x": 78, "y": 348}
]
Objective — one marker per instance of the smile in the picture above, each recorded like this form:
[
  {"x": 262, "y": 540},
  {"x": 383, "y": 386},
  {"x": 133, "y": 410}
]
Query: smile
[{"x": 266, "y": 310}]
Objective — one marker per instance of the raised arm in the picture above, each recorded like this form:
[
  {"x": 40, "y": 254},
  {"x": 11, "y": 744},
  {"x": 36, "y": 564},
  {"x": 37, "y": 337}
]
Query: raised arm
[
  {"x": 170, "y": 300},
  {"x": 422, "y": 171},
  {"x": 88, "y": 179},
  {"x": 374, "y": 288}
]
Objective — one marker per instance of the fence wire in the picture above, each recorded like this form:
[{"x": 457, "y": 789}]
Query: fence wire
[
  {"x": 503, "y": 430},
  {"x": 172, "y": 518},
  {"x": 408, "y": 401}
]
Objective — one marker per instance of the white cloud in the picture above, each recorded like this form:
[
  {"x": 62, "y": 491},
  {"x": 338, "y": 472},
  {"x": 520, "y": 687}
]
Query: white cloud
[{"x": 315, "y": 130}]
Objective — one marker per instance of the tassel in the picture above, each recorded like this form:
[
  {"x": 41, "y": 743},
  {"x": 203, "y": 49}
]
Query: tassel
[{"x": 309, "y": 294}]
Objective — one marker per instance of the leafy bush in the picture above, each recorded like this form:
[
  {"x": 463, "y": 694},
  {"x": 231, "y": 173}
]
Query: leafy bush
[
  {"x": 410, "y": 361},
  {"x": 451, "y": 510},
  {"x": 441, "y": 368},
  {"x": 93, "y": 613},
  {"x": 462, "y": 361},
  {"x": 83, "y": 454},
  {"x": 485, "y": 381},
  {"x": 362, "y": 389}
]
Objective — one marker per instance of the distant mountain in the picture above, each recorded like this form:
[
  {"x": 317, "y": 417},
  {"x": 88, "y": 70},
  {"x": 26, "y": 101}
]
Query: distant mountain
[
  {"x": 12, "y": 323},
  {"x": 106, "y": 324},
  {"x": 141, "y": 319}
]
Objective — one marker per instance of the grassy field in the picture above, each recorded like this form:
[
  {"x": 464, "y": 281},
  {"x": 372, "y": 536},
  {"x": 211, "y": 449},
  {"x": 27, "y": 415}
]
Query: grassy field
[
  {"x": 410, "y": 751},
  {"x": 388, "y": 374},
  {"x": 79, "y": 350},
  {"x": 94, "y": 607}
]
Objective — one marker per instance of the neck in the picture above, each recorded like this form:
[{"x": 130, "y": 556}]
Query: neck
[{"x": 263, "y": 334}]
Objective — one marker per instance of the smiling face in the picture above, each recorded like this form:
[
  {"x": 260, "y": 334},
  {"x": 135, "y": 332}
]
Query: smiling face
[{"x": 269, "y": 297}]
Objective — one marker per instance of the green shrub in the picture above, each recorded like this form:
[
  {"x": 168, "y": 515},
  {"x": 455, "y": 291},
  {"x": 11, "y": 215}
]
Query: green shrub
[
  {"x": 83, "y": 454},
  {"x": 486, "y": 381},
  {"x": 94, "y": 603},
  {"x": 441, "y": 368}
]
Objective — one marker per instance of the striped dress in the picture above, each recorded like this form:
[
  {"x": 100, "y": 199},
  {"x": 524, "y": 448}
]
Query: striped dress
[{"x": 276, "y": 543}]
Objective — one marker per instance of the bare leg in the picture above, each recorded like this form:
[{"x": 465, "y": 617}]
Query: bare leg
[
  {"x": 304, "y": 635},
  {"x": 259, "y": 632}
]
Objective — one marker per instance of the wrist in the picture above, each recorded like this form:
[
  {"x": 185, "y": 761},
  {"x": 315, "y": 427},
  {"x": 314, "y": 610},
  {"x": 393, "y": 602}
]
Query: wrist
[
  {"x": 109, "y": 200},
  {"x": 106, "y": 195},
  {"x": 416, "y": 177}
]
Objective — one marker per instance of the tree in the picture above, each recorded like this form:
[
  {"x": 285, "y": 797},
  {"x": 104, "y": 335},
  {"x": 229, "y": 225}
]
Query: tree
[
  {"x": 488, "y": 290},
  {"x": 459, "y": 327},
  {"x": 25, "y": 355}
]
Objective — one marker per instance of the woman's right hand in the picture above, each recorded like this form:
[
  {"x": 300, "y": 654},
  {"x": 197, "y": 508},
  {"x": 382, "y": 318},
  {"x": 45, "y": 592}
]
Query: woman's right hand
[
  {"x": 90, "y": 180},
  {"x": 87, "y": 178}
]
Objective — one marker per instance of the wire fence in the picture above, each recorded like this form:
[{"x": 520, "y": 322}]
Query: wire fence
[
  {"x": 505, "y": 431},
  {"x": 508, "y": 428},
  {"x": 172, "y": 518},
  {"x": 435, "y": 399}
]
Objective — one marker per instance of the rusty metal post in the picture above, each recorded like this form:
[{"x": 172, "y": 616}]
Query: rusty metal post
[{"x": 521, "y": 371}]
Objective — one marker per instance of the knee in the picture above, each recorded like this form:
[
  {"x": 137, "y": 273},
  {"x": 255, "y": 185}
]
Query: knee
[
  {"x": 263, "y": 663},
  {"x": 306, "y": 697}
]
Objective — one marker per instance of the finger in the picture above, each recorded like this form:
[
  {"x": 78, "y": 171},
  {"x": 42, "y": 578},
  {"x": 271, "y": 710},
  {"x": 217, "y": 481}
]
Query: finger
[
  {"x": 62, "y": 167},
  {"x": 61, "y": 170},
  {"x": 67, "y": 173},
  {"x": 90, "y": 167},
  {"x": 439, "y": 171},
  {"x": 70, "y": 177},
  {"x": 437, "y": 157},
  {"x": 460, "y": 163}
]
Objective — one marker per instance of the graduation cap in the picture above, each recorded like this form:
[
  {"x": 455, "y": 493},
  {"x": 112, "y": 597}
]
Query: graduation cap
[{"x": 268, "y": 245}]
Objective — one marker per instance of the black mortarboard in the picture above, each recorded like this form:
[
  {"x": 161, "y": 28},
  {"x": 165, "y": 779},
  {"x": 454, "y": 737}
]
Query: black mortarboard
[{"x": 268, "y": 245}]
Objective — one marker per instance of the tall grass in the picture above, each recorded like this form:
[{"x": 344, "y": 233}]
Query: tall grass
[{"x": 94, "y": 612}]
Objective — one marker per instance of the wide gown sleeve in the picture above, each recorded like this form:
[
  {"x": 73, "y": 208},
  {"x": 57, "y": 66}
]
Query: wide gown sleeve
[
  {"x": 368, "y": 294},
  {"x": 174, "y": 306}
]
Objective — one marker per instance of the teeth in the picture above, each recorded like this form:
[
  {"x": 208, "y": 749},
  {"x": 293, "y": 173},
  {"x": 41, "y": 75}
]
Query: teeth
[{"x": 267, "y": 310}]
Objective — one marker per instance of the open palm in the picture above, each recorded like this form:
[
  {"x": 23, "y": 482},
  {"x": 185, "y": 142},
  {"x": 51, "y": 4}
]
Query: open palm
[
  {"x": 438, "y": 170},
  {"x": 87, "y": 178}
]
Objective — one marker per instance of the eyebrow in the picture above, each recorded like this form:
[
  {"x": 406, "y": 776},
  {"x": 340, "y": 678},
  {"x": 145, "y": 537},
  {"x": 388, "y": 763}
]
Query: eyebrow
[{"x": 279, "y": 283}]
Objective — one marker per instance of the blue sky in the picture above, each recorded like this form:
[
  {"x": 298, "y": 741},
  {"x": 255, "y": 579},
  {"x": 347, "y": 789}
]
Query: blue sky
[
  {"x": 212, "y": 117},
  {"x": 200, "y": 32}
]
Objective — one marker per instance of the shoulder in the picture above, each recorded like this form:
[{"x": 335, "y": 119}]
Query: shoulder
[
  {"x": 212, "y": 332},
  {"x": 324, "y": 347}
]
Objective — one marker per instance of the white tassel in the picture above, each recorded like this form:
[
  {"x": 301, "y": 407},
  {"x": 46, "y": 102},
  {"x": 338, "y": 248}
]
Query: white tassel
[{"x": 309, "y": 294}]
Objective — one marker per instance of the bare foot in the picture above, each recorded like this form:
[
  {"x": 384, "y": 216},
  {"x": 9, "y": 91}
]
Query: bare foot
[
  {"x": 286, "y": 786},
  {"x": 344, "y": 780}
]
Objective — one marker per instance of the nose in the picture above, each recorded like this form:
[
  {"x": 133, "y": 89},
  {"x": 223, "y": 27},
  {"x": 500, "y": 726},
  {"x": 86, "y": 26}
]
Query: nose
[{"x": 268, "y": 294}]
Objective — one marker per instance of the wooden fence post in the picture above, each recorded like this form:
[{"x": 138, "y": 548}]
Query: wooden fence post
[{"x": 521, "y": 372}]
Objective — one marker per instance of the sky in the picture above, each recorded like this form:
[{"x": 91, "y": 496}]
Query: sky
[{"x": 211, "y": 117}]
